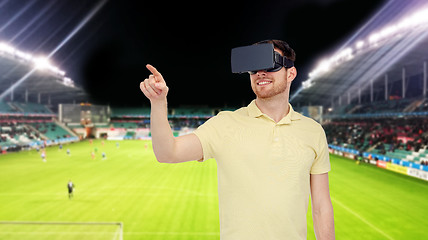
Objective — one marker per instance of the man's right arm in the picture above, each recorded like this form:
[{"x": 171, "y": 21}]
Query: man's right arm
[{"x": 167, "y": 148}]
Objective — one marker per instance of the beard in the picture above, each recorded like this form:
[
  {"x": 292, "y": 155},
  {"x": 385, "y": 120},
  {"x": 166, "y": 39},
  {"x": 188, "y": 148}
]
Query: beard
[{"x": 271, "y": 90}]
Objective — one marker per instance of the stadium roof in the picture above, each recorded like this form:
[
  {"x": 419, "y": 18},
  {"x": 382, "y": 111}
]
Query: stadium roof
[
  {"x": 389, "y": 46},
  {"x": 18, "y": 78}
]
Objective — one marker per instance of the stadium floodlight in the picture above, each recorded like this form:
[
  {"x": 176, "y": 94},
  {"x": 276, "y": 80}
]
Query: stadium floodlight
[
  {"x": 41, "y": 63},
  {"x": 37, "y": 63},
  {"x": 6, "y": 48},
  {"x": 419, "y": 18},
  {"x": 23, "y": 55},
  {"x": 323, "y": 67},
  {"x": 344, "y": 55},
  {"x": 360, "y": 44},
  {"x": 410, "y": 21},
  {"x": 68, "y": 82},
  {"x": 307, "y": 84}
]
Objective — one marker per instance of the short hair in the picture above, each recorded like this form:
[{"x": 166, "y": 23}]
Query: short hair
[{"x": 287, "y": 51}]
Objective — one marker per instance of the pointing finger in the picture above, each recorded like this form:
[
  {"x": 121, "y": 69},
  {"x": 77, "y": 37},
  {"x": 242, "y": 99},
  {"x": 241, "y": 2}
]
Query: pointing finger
[{"x": 155, "y": 72}]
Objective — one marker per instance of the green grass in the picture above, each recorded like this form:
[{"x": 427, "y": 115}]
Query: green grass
[{"x": 179, "y": 201}]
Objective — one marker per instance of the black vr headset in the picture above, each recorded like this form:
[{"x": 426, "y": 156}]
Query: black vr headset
[{"x": 258, "y": 57}]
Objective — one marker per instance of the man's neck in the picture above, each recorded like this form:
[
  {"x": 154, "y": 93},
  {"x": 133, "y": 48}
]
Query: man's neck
[{"x": 276, "y": 108}]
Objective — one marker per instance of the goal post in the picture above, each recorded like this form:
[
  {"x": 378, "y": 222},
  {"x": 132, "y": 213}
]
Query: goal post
[{"x": 61, "y": 230}]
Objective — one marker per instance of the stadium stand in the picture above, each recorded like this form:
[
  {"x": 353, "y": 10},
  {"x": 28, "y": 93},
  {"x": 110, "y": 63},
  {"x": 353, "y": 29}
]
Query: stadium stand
[
  {"x": 130, "y": 112},
  {"x": 26, "y": 125},
  {"x": 379, "y": 135},
  {"x": 135, "y": 122},
  {"x": 6, "y": 108},
  {"x": 394, "y": 132}
]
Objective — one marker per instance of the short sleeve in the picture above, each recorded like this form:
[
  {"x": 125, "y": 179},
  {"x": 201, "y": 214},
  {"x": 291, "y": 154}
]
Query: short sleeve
[
  {"x": 208, "y": 133},
  {"x": 322, "y": 159}
]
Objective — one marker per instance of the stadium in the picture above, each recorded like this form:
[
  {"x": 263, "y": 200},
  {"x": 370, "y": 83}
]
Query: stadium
[{"x": 370, "y": 95}]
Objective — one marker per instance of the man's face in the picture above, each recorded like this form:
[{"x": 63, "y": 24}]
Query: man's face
[{"x": 269, "y": 84}]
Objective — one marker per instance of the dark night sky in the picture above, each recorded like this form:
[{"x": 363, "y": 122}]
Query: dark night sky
[{"x": 188, "y": 42}]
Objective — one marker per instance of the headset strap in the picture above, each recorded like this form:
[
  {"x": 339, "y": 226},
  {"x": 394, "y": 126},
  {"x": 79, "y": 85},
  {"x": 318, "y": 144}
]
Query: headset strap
[{"x": 287, "y": 63}]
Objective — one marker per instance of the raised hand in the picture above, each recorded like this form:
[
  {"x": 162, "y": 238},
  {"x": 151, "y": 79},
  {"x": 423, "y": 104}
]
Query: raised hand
[{"x": 154, "y": 87}]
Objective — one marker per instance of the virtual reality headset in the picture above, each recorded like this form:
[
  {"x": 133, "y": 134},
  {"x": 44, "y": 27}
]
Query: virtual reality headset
[{"x": 258, "y": 57}]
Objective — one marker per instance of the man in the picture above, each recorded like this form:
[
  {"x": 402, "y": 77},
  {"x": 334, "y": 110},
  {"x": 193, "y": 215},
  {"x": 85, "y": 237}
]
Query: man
[
  {"x": 269, "y": 158},
  {"x": 43, "y": 155},
  {"x": 70, "y": 187}
]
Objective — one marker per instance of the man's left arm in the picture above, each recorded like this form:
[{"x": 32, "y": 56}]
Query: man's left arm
[{"x": 322, "y": 209}]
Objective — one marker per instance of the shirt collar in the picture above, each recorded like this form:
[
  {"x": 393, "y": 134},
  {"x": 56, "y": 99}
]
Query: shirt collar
[{"x": 254, "y": 111}]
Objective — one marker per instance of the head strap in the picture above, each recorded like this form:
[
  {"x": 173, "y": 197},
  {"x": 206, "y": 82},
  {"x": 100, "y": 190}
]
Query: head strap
[{"x": 284, "y": 61}]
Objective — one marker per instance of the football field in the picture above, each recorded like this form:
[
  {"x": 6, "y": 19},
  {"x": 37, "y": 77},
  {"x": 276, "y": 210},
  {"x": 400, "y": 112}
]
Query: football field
[{"x": 178, "y": 201}]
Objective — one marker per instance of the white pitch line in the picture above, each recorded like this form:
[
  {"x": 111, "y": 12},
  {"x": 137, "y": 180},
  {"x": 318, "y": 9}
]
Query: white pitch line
[
  {"x": 362, "y": 219},
  {"x": 174, "y": 233}
]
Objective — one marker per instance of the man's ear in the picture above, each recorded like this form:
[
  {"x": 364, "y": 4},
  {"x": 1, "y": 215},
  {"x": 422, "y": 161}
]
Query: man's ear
[{"x": 291, "y": 74}]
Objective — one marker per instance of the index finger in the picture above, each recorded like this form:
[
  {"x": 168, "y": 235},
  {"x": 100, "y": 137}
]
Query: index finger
[{"x": 153, "y": 70}]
